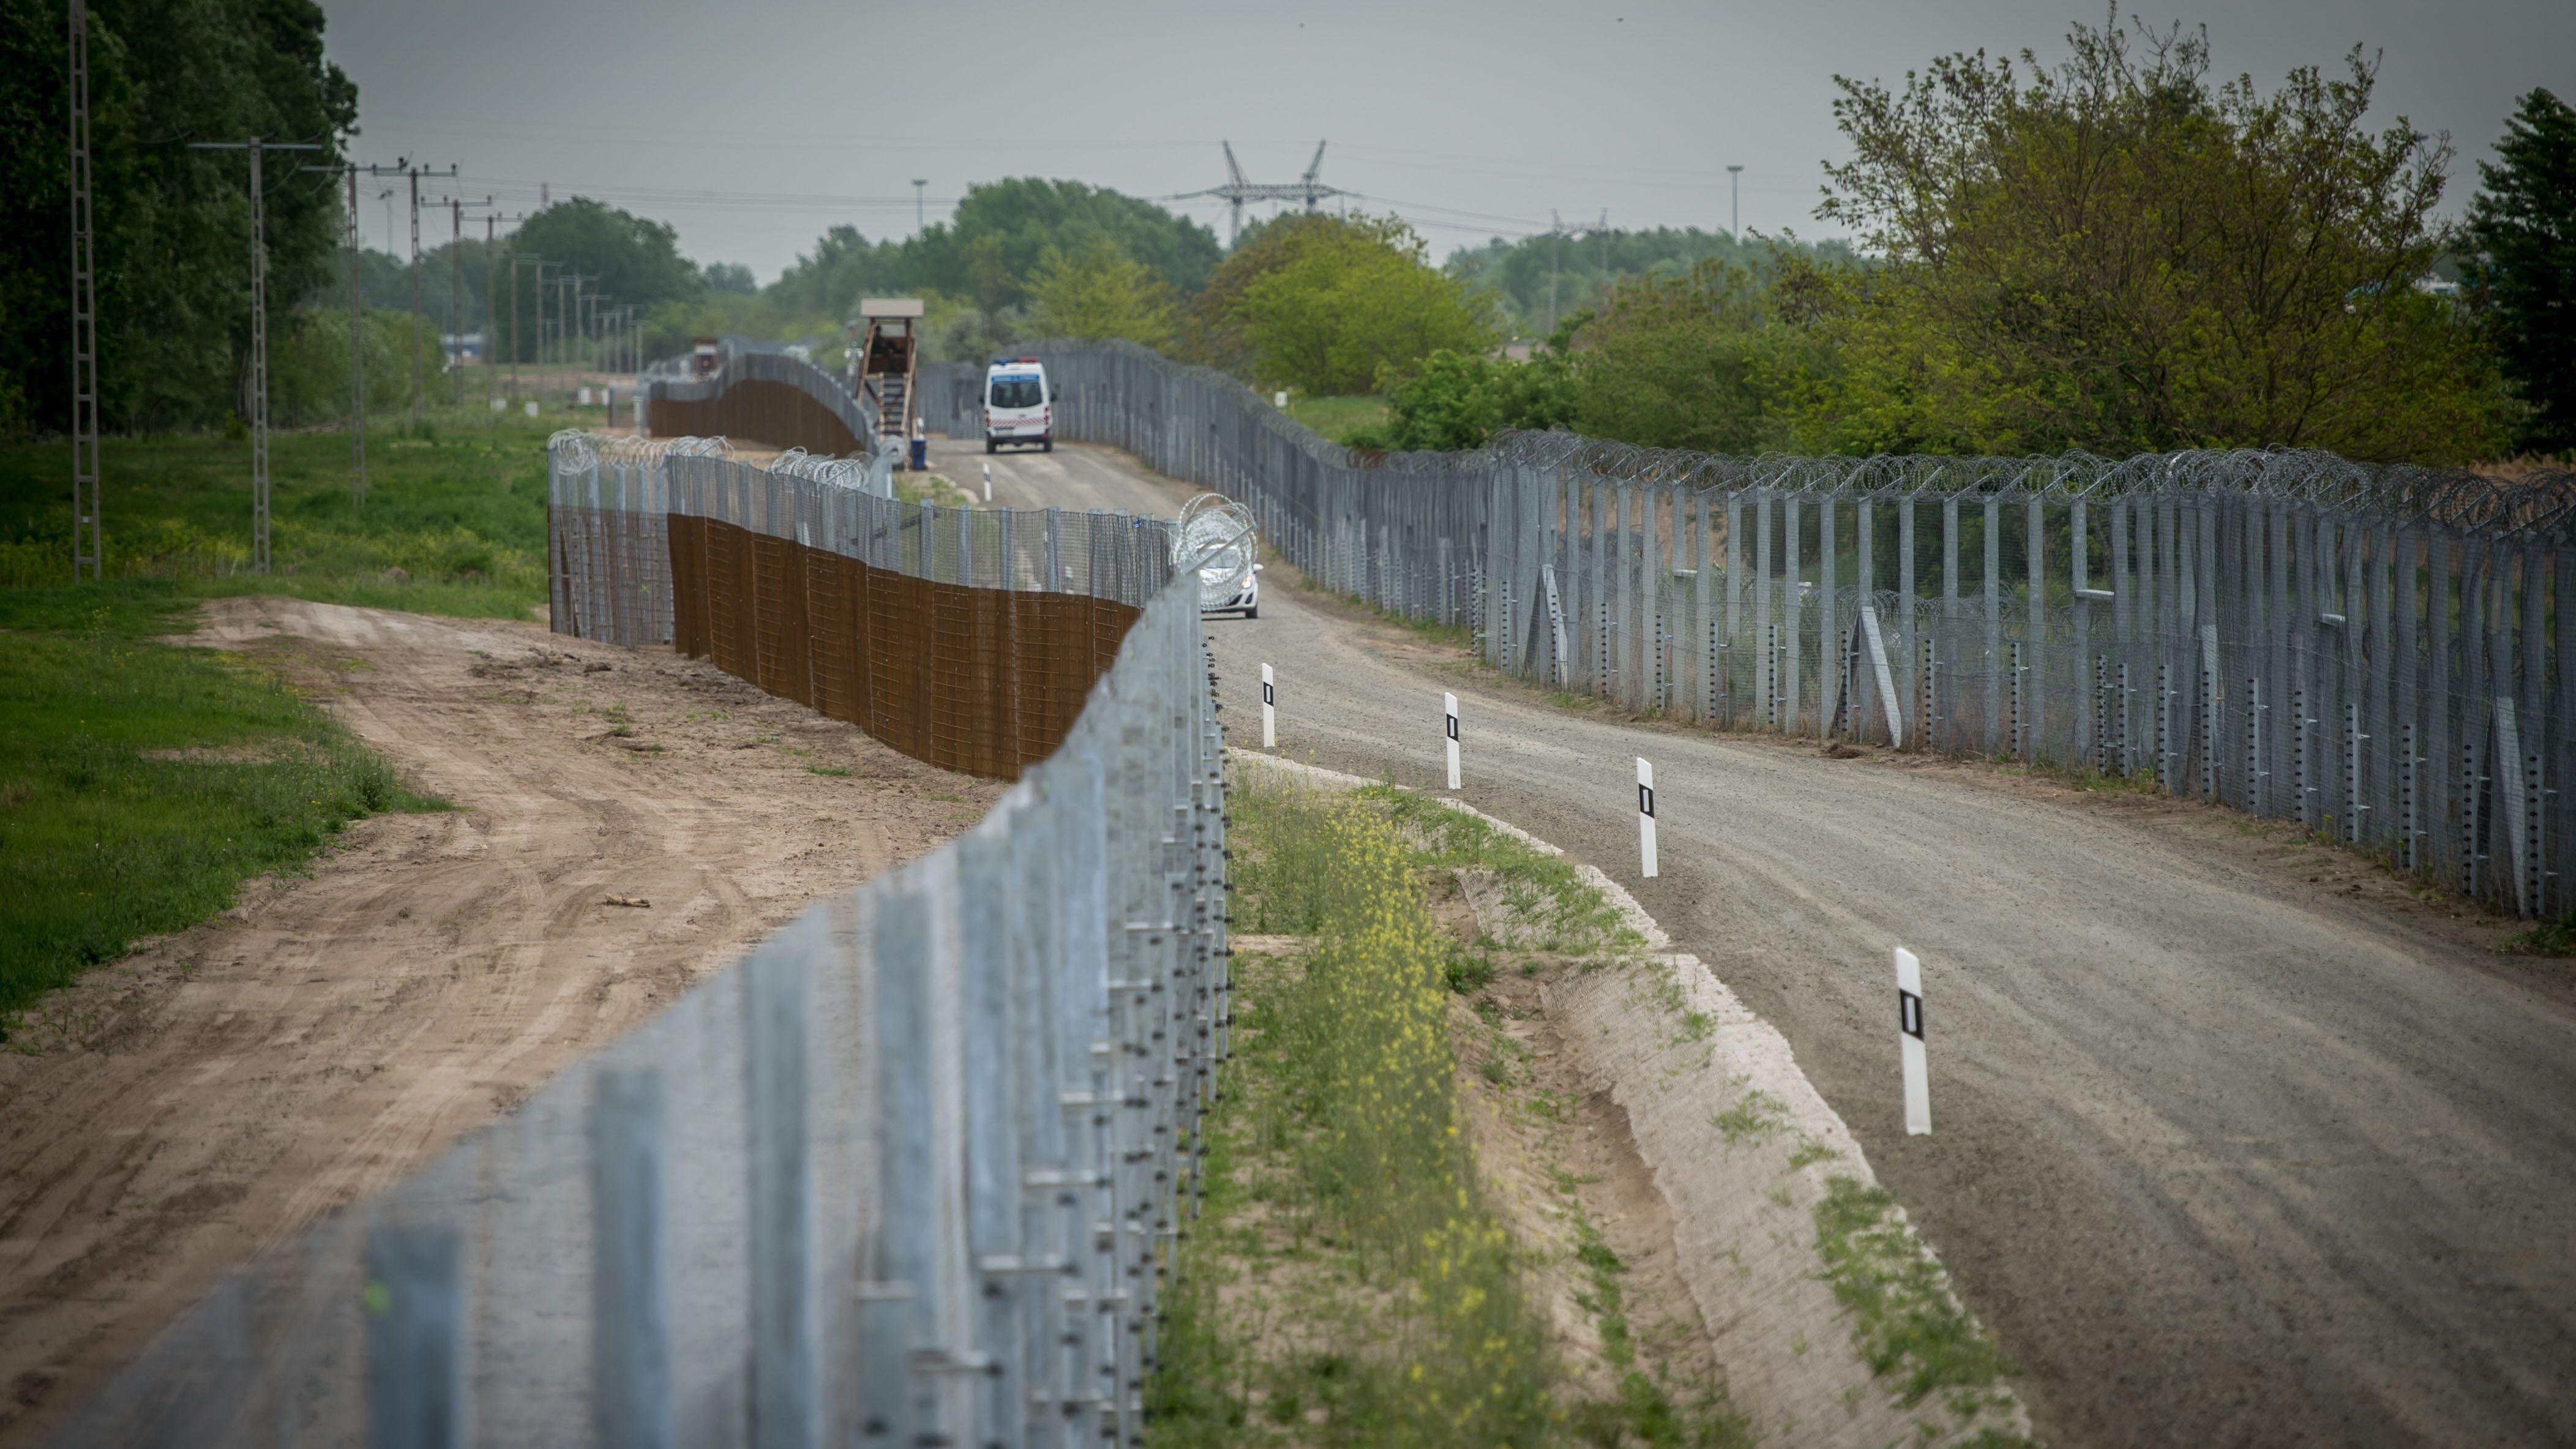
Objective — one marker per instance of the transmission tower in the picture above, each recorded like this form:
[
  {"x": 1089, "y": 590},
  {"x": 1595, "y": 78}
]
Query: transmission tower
[
  {"x": 1236, "y": 190},
  {"x": 89, "y": 550}
]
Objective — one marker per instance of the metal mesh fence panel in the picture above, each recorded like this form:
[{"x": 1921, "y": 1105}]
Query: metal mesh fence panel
[
  {"x": 908, "y": 1173},
  {"x": 2375, "y": 653}
]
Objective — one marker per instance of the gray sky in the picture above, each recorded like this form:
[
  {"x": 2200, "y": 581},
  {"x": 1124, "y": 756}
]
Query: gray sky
[{"x": 752, "y": 125}]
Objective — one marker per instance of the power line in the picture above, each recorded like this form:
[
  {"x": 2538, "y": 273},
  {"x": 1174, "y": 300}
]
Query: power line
[
  {"x": 258, "y": 335},
  {"x": 357, "y": 323}
]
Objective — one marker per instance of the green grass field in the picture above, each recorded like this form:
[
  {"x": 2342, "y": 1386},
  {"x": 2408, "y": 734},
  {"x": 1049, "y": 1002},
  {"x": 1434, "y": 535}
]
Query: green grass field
[
  {"x": 454, "y": 521},
  {"x": 1337, "y": 417},
  {"x": 141, "y": 783}
]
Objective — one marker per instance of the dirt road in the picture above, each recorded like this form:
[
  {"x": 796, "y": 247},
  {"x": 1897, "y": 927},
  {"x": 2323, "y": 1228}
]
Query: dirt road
[
  {"x": 2236, "y": 1141},
  {"x": 174, "y": 1113}
]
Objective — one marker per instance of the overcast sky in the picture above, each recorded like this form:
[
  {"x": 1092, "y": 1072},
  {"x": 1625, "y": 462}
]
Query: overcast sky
[{"x": 752, "y": 125}]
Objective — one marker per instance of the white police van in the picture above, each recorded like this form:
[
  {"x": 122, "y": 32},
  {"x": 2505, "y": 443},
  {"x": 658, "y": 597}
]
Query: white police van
[{"x": 1019, "y": 407}]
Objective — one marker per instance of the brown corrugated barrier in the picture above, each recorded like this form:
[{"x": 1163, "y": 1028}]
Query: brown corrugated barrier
[
  {"x": 981, "y": 680},
  {"x": 775, "y": 413}
]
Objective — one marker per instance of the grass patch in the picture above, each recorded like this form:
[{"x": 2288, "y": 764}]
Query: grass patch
[
  {"x": 141, "y": 783},
  {"x": 937, "y": 490},
  {"x": 1906, "y": 1325},
  {"x": 2549, "y": 938},
  {"x": 1554, "y": 909},
  {"x": 1344, "y": 1286},
  {"x": 1338, "y": 417},
  {"x": 454, "y": 522},
  {"x": 1757, "y": 1117}
]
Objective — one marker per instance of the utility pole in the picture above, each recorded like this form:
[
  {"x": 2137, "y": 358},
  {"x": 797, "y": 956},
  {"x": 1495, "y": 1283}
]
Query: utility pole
[
  {"x": 492, "y": 298},
  {"x": 919, "y": 214},
  {"x": 516, "y": 262},
  {"x": 416, "y": 173},
  {"x": 1735, "y": 204},
  {"x": 357, "y": 323},
  {"x": 89, "y": 549},
  {"x": 258, "y": 336},
  {"x": 455, "y": 284}
]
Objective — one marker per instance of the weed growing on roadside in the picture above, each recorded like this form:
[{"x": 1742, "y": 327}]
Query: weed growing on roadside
[
  {"x": 1350, "y": 1194},
  {"x": 2549, "y": 938},
  {"x": 1906, "y": 1324}
]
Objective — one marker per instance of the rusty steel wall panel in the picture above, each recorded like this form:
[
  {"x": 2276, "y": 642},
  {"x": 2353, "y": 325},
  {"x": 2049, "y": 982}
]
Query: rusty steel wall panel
[
  {"x": 985, "y": 681},
  {"x": 759, "y": 411}
]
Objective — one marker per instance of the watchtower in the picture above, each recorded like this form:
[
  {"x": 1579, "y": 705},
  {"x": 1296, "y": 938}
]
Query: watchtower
[{"x": 888, "y": 353}]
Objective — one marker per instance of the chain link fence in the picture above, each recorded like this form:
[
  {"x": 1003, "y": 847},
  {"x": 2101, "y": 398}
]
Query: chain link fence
[
  {"x": 2375, "y": 653},
  {"x": 907, "y": 1174}
]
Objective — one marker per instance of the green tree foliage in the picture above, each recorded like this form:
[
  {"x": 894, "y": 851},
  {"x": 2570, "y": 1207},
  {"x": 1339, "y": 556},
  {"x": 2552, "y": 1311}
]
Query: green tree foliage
[
  {"x": 1458, "y": 400},
  {"x": 630, "y": 259},
  {"x": 988, "y": 252},
  {"x": 1353, "y": 303},
  {"x": 730, "y": 277},
  {"x": 1537, "y": 281},
  {"x": 1697, "y": 361},
  {"x": 2119, "y": 254},
  {"x": 2523, "y": 224},
  {"x": 308, "y": 363},
  {"x": 1101, "y": 293},
  {"x": 172, "y": 225}
]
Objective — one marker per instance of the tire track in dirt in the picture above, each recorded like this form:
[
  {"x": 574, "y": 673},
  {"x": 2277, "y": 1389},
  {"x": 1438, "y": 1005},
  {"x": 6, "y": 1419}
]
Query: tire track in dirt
[{"x": 173, "y": 1113}]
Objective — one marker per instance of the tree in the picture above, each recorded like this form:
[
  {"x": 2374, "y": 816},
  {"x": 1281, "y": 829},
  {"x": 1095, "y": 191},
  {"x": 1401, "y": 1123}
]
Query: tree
[
  {"x": 2122, "y": 255},
  {"x": 994, "y": 243},
  {"x": 1694, "y": 361},
  {"x": 1352, "y": 304},
  {"x": 1101, "y": 293},
  {"x": 2523, "y": 224},
  {"x": 730, "y": 277},
  {"x": 1458, "y": 400},
  {"x": 172, "y": 226},
  {"x": 630, "y": 258}
]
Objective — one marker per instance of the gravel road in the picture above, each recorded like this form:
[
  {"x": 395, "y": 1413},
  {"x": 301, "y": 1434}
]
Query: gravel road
[{"x": 2235, "y": 1140}]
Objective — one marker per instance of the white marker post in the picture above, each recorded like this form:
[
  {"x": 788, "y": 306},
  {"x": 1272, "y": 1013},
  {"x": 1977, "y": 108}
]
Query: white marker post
[
  {"x": 1646, "y": 816},
  {"x": 1269, "y": 712},
  {"x": 1909, "y": 1042},
  {"x": 988, "y": 482},
  {"x": 1449, "y": 704}
]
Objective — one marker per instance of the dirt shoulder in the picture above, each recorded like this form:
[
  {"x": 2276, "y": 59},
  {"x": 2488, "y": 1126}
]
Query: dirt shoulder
[{"x": 174, "y": 1113}]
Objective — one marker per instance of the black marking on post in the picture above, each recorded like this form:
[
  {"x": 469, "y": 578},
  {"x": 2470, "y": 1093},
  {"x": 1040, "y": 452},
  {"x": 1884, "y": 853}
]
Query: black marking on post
[
  {"x": 1646, "y": 801},
  {"x": 1453, "y": 726},
  {"x": 1909, "y": 1013},
  {"x": 1266, "y": 696}
]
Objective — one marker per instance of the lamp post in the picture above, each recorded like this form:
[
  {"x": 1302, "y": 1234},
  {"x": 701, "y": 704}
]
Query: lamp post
[{"x": 1735, "y": 204}]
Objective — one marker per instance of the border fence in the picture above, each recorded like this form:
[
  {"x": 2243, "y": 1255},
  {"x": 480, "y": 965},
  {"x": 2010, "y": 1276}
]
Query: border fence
[
  {"x": 904, "y": 1175},
  {"x": 2378, "y": 654},
  {"x": 783, "y": 401},
  {"x": 965, "y": 637}
]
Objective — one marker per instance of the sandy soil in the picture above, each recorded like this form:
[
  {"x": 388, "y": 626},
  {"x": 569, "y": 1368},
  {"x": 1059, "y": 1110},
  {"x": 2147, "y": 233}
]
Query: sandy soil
[{"x": 172, "y": 1114}]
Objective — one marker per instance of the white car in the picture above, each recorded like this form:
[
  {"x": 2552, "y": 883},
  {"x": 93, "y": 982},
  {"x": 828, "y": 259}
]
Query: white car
[{"x": 1019, "y": 407}]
